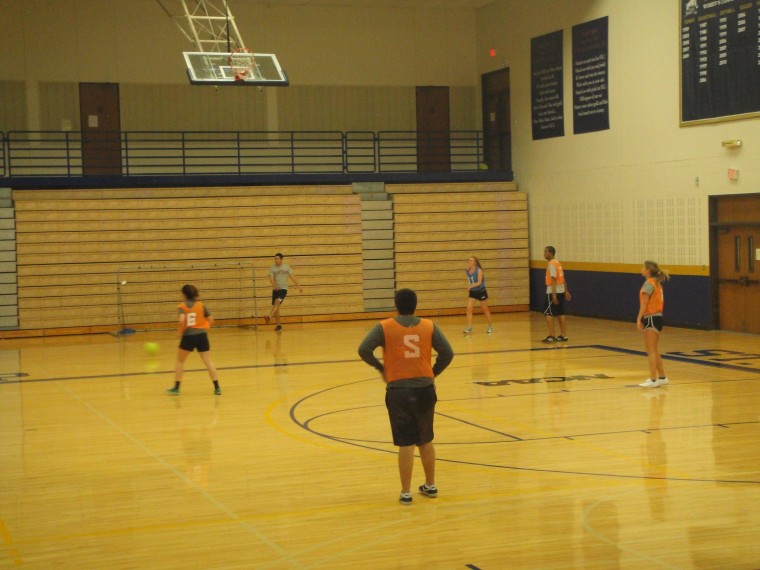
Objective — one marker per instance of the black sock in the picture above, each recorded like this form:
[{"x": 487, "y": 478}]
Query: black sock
[
  {"x": 216, "y": 383},
  {"x": 176, "y": 385}
]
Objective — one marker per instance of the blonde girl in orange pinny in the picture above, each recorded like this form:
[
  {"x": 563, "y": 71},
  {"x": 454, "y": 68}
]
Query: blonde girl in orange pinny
[{"x": 650, "y": 322}]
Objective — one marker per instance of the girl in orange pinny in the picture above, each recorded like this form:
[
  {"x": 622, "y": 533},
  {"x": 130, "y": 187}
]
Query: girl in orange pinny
[
  {"x": 194, "y": 321},
  {"x": 649, "y": 320}
]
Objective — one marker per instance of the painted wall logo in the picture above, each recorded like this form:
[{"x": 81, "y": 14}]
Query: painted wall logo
[{"x": 546, "y": 379}]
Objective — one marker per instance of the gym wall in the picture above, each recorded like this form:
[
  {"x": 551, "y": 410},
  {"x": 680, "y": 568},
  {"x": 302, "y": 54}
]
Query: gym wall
[
  {"x": 611, "y": 199},
  {"x": 351, "y": 68}
]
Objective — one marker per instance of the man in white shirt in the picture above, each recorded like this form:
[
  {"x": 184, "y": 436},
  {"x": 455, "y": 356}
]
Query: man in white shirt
[{"x": 279, "y": 273}]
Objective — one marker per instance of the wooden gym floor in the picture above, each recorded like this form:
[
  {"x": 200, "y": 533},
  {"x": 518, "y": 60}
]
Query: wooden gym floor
[{"x": 547, "y": 457}]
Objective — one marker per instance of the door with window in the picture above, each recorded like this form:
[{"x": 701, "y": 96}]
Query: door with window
[{"x": 739, "y": 278}]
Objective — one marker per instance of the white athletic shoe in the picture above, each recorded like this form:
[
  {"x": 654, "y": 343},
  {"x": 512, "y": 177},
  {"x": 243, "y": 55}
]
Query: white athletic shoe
[
  {"x": 468, "y": 330},
  {"x": 489, "y": 330},
  {"x": 663, "y": 381},
  {"x": 650, "y": 383}
]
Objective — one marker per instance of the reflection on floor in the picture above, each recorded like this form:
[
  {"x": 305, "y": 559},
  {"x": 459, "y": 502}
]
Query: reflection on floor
[{"x": 548, "y": 457}]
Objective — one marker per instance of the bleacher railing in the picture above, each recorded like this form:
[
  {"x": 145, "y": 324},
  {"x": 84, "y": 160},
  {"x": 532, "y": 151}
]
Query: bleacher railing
[
  {"x": 2, "y": 154},
  {"x": 188, "y": 153}
]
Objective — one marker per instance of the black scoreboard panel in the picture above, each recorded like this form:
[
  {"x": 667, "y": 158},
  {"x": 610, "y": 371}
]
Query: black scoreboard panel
[{"x": 720, "y": 59}]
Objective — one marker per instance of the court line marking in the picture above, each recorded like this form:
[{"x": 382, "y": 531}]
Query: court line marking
[
  {"x": 305, "y": 425},
  {"x": 514, "y": 437},
  {"x": 313, "y": 418},
  {"x": 526, "y": 439},
  {"x": 595, "y": 447},
  {"x": 273, "y": 365},
  {"x": 666, "y": 356},
  {"x": 679, "y": 358},
  {"x": 161, "y": 461},
  {"x": 268, "y": 416},
  {"x": 555, "y": 471}
]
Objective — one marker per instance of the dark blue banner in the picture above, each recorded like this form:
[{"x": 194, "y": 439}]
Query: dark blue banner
[
  {"x": 720, "y": 58},
  {"x": 546, "y": 86},
  {"x": 591, "y": 106}
]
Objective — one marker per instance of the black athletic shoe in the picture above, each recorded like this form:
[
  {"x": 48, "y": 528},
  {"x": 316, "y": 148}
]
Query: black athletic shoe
[
  {"x": 431, "y": 492},
  {"x": 278, "y": 328},
  {"x": 549, "y": 339},
  {"x": 405, "y": 498},
  {"x": 561, "y": 339}
]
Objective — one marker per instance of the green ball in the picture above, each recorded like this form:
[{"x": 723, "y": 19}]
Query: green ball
[{"x": 151, "y": 348}]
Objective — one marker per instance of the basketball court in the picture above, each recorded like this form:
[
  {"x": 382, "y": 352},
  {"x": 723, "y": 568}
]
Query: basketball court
[
  {"x": 383, "y": 159},
  {"x": 548, "y": 456}
]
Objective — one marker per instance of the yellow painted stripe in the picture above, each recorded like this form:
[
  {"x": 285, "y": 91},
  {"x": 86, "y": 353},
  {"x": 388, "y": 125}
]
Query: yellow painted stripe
[
  {"x": 346, "y": 509},
  {"x": 8, "y": 542},
  {"x": 700, "y": 270}
]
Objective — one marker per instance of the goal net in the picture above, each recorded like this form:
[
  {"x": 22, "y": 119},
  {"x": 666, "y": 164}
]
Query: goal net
[{"x": 148, "y": 294}]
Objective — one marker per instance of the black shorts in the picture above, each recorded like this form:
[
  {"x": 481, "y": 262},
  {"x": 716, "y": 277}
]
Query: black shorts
[
  {"x": 653, "y": 322},
  {"x": 191, "y": 342},
  {"x": 552, "y": 310},
  {"x": 480, "y": 295},
  {"x": 411, "y": 412},
  {"x": 279, "y": 294}
]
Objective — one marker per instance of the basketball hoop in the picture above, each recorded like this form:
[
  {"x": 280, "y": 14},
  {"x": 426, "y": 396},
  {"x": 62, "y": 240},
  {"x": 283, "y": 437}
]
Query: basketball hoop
[{"x": 241, "y": 62}]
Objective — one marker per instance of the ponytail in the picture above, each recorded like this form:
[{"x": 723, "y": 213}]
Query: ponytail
[{"x": 657, "y": 273}]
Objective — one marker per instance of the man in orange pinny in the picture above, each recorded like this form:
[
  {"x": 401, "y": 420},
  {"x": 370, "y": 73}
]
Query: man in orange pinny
[
  {"x": 410, "y": 397},
  {"x": 556, "y": 295}
]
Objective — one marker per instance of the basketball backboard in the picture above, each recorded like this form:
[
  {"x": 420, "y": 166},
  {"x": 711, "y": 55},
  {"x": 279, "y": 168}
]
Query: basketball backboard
[{"x": 213, "y": 68}]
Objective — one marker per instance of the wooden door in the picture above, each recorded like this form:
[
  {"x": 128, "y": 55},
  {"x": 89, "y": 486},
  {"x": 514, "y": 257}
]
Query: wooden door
[
  {"x": 433, "y": 130},
  {"x": 100, "y": 124},
  {"x": 497, "y": 120},
  {"x": 739, "y": 278}
]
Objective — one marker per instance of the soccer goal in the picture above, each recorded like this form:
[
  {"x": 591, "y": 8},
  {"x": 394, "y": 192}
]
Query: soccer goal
[{"x": 148, "y": 294}]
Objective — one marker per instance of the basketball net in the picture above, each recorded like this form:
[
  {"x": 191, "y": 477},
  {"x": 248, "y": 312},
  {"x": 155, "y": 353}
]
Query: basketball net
[{"x": 241, "y": 63}]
